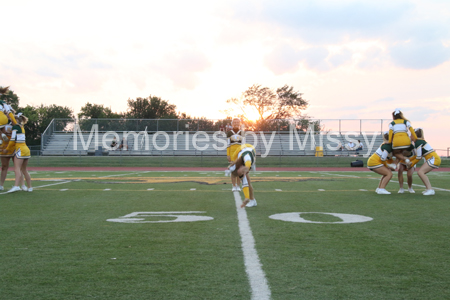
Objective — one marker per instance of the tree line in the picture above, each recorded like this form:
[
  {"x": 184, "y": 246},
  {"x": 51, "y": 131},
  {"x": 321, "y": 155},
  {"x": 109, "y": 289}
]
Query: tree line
[{"x": 282, "y": 104}]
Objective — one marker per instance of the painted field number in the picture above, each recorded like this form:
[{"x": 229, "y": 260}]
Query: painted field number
[
  {"x": 297, "y": 217},
  {"x": 162, "y": 217}
]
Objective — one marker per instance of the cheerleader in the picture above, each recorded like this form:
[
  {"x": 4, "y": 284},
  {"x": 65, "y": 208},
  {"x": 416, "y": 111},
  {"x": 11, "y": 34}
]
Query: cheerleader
[
  {"x": 243, "y": 160},
  {"x": 381, "y": 162},
  {"x": 6, "y": 157},
  {"x": 21, "y": 151},
  {"x": 433, "y": 161},
  {"x": 235, "y": 138},
  {"x": 410, "y": 154},
  {"x": 398, "y": 135},
  {"x": 5, "y": 111}
]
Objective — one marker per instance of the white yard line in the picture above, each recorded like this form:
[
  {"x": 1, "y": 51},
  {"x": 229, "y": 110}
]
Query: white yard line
[
  {"x": 7, "y": 192},
  {"x": 256, "y": 276},
  {"x": 52, "y": 184}
]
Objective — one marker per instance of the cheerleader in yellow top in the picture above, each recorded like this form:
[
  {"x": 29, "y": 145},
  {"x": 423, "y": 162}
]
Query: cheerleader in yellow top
[
  {"x": 235, "y": 138},
  {"x": 398, "y": 134},
  {"x": 5, "y": 111},
  {"x": 243, "y": 161},
  {"x": 433, "y": 161},
  {"x": 21, "y": 153},
  {"x": 381, "y": 162},
  {"x": 5, "y": 157}
]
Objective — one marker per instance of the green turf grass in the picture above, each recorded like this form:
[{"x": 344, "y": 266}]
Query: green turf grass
[
  {"x": 58, "y": 245},
  {"x": 195, "y": 161}
]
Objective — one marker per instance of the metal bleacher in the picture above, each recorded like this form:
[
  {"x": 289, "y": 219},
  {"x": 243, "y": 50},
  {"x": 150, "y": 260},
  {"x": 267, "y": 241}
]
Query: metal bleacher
[{"x": 206, "y": 144}]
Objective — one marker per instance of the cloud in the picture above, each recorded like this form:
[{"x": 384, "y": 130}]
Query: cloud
[
  {"x": 318, "y": 21},
  {"x": 283, "y": 59},
  {"x": 286, "y": 58},
  {"x": 341, "y": 57},
  {"x": 409, "y": 37},
  {"x": 314, "y": 58},
  {"x": 417, "y": 55},
  {"x": 182, "y": 66}
]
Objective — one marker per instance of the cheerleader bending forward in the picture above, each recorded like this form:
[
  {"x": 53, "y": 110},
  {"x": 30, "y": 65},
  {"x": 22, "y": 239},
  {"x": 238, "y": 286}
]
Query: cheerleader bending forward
[
  {"x": 433, "y": 161},
  {"x": 410, "y": 154},
  {"x": 398, "y": 135},
  {"x": 22, "y": 153},
  {"x": 381, "y": 162},
  {"x": 243, "y": 160}
]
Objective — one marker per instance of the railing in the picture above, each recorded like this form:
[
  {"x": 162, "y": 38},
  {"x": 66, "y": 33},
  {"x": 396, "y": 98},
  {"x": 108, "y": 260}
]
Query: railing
[
  {"x": 193, "y": 125},
  {"x": 47, "y": 134}
]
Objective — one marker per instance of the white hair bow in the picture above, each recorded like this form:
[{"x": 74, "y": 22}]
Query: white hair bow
[{"x": 396, "y": 111}]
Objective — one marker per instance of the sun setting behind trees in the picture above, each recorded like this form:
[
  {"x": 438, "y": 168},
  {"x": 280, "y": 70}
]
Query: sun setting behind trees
[{"x": 258, "y": 104}]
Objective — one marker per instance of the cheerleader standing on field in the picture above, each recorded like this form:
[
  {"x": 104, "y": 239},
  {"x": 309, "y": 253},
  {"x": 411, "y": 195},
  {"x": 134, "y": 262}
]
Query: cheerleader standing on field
[
  {"x": 235, "y": 139},
  {"x": 381, "y": 162},
  {"x": 22, "y": 153},
  {"x": 398, "y": 135},
  {"x": 5, "y": 112},
  {"x": 6, "y": 157},
  {"x": 433, "y": 161}
]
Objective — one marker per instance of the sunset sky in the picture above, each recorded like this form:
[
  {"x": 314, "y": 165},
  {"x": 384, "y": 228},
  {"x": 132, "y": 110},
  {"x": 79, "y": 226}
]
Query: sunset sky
[{"x": 350, "y": 59}]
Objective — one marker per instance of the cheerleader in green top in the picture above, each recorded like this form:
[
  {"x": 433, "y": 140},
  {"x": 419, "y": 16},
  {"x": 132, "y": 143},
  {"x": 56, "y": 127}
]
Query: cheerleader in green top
[
  {"x": 21, "y": 153},
  {"x": 432, "y": 160},
  {"x": 5, "y": 109}
]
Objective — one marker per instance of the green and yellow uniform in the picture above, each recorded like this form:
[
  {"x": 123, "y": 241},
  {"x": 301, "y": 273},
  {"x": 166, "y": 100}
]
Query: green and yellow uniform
[
  {"x": 8, "y": 132},
  {"x": 424, "y": 150},
  {"x": 409, "y": 153},
  {"x": 235, "y": 138},
  {"x": 17, "y": 142},
  {"x": 381, "y": 157},
  {"x": 398, "y": 134},
  {"x": 247, "y": 153},
  {"x": 5, "y": 110}
]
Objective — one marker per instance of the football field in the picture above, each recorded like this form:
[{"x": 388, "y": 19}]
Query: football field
[{"x": 182, "y": 235}]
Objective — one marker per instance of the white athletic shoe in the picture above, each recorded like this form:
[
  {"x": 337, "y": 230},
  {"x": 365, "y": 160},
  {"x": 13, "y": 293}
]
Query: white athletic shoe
[
  {"x": 252, "y": 203},
  {"x": 24, "y": 188},
  {"x": 5, "y": 138},
  {"x": 383, "y": 192},
  {"x": 227, "y": 173},
  {"x": 1, "y": 188},
  {"x": 401, "y": 191},
  {"x": 14, "y": 189},
  {"x": 428, "y": 193},
  {"x": 411, "y": 191},
  {"x": 376, "y": 191},
  {"x": 238, "y": 188},
  {"x": 233, "y": 189},
  {"x": 30, "y": 189}
]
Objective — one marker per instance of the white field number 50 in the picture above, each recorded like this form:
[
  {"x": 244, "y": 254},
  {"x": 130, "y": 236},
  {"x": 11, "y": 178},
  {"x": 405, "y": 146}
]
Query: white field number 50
[{"x": 162, "y": 217}]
